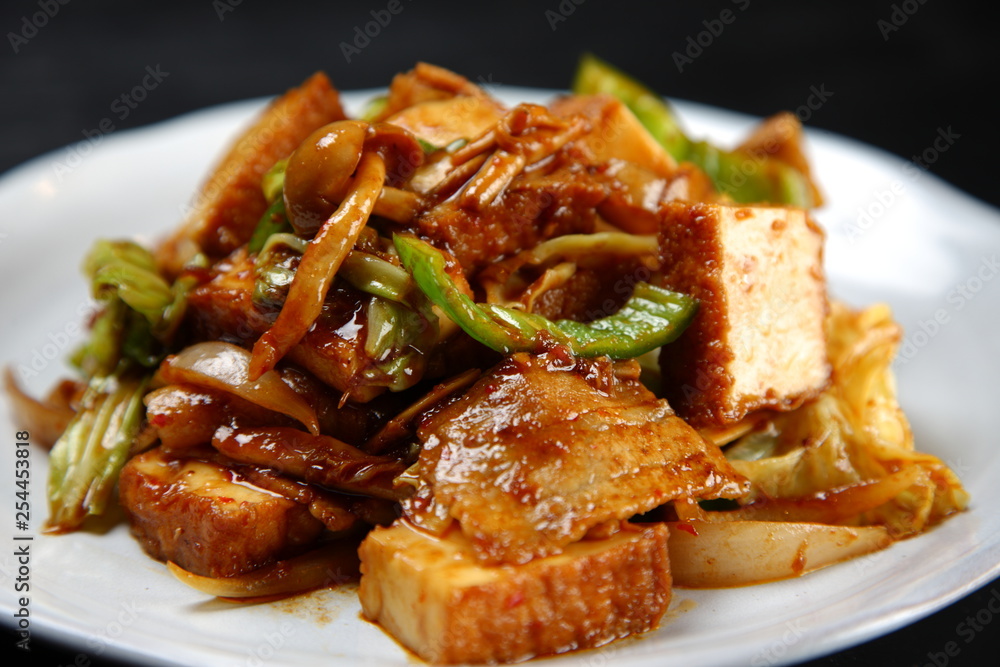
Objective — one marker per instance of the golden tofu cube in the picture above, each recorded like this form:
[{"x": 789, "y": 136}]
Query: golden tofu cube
[
  {"x": 207, "y": 519},
  {"x": 434, "y": 597},
  {"x": 758, "y": 339}
]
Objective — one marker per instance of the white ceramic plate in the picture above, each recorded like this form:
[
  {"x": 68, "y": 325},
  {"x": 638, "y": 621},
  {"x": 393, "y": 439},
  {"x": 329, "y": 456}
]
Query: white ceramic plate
[{"x": 926, "y": 248}]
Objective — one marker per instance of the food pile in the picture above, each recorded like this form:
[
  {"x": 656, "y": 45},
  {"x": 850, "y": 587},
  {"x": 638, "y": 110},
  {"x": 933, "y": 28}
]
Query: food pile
[{"x": 521, "y": 368}]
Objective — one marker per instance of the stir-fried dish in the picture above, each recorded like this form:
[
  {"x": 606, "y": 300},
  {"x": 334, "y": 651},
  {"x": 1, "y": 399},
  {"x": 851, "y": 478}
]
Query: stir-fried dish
[{"x": 521, "y": 369}]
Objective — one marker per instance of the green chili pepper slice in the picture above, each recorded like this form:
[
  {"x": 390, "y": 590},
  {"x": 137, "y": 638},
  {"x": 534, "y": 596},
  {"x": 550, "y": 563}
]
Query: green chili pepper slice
[
  {"x": 652, "y": 316},
  {"x": 745, "y": 177},
  {"x": 274, "y": 220},
  {"x": 594, "y": 76}
]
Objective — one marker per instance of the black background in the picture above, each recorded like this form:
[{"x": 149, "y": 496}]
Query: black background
[{"x": 894, "y": 88}]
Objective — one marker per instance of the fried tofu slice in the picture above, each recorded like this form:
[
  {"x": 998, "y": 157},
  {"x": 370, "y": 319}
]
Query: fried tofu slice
[
  {"x": 426, "y": 83},
  {"x": 758, "y": 340},
  {"x": 206, "y": 519},
  {"x": 434, "y": 596},
  {"x": 440, "y": 122},
  {"x": 615, "y": 133},
  {"x": 781, "y": 137},
  {"x": 546, "y": 447},
  {"x": 231, "y": 202}
]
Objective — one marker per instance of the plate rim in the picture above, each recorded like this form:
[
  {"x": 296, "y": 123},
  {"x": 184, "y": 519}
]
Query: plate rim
[{"x": 840, "y": 639}]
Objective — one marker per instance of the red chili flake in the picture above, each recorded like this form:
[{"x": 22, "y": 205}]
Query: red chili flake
[{"x": 686, "y": 527}]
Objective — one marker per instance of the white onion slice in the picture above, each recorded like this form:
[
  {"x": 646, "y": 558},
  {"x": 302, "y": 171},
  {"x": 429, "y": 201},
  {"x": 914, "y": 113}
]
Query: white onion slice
[
  {"x": 225, "y": 367},
  {"x": 330, "y": 565},
  {"x": 739, "y": 553}
]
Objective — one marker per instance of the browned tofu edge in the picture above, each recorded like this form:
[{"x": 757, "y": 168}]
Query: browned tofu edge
[
  {"x": 224, "y": 529},
  {"x": 595, "y": 592},
  {"x": 230, "y": 201},
  {"x": 697, "y": 382}
]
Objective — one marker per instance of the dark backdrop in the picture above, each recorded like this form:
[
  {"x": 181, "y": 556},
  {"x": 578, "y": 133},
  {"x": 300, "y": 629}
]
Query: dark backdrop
[{"x": 896, "y": 72}]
